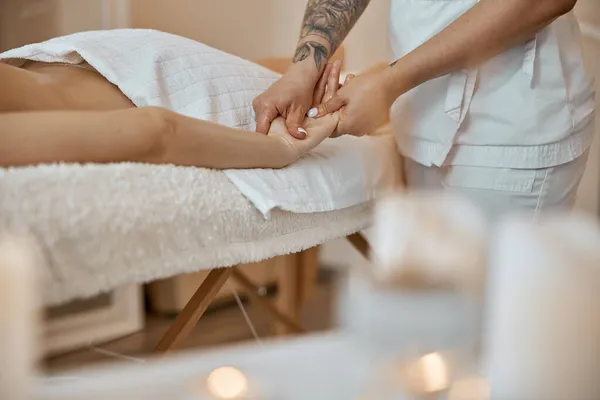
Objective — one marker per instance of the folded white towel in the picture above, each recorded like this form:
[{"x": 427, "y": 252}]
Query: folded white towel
[
  {"x": 160, "y": 69},
  {"x": 339, "y": 173}
]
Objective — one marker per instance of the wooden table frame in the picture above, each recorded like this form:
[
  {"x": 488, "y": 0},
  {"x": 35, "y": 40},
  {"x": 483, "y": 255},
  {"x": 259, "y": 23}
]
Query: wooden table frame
[{"x": 286, "y": 312}]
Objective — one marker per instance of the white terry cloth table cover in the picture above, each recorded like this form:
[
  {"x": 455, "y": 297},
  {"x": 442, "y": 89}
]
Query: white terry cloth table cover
[
  {"x": 154, "y": 68},
  {"x": 103, "y": 226}
]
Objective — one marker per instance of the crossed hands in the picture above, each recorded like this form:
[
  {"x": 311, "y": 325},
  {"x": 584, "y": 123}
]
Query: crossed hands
[
  {"x": 359, "y": 106},
  {"x": 310, "y": 132}
]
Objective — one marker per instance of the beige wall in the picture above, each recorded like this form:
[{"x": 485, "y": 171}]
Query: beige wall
[
  {"x": 588, "y": 11},
  {"x": 258, "y": 28},
  {"x": 79, "y": 15},
  {"x": 23, "y": 22},
  {"x": 29, "y": 21}
]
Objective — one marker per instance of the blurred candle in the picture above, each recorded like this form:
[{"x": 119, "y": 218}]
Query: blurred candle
[
  {"x": 429, "y": 240},
  {"x": 428, "y": 375},
  {"x": 227, "y": 383},
  {"x": 543, "y": 335},
  {"x": 18, "y": 319},
  {"x": 421, "y": 290}
]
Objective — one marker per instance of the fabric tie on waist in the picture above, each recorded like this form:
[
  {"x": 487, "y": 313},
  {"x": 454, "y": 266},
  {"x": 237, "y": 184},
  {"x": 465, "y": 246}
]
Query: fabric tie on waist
[
  {"x": 461, "y": 88},
  {"x": 529, "y": 59}
]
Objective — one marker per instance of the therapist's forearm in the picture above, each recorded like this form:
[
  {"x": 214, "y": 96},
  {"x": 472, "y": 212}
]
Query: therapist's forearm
[
  {"x": 325, "y": 25},
  {"x": 486, "y": 30}
]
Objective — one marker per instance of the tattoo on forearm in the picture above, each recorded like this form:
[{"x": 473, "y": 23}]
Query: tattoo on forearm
[
  {"x": 318, "y": 50},
  {"x": 331, "y": 20}
]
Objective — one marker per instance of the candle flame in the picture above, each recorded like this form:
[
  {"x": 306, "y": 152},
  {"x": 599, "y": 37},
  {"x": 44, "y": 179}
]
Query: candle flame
[
  {"x": 429, "y": 374},
  {"x": 227, "y": 383}
]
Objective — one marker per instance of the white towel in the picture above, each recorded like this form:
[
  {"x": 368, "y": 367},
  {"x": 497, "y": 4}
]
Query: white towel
[
  {"x": 339, "y": 173},
  {"x": 154, "y": 68}
]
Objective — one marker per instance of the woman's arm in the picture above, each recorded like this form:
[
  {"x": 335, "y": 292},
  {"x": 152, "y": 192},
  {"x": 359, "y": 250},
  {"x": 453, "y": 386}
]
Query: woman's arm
[
  {"x": 206, "y": 144},
  {"x": 156, "y": 136},
  {"x": 486, "y": 30},
  {"x": 147, "y": 135}
]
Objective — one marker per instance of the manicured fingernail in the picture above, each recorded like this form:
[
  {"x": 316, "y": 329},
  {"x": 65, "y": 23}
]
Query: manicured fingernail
[
  {"x": 302, "y": 132},
  {"x": 313, "y": 112}
]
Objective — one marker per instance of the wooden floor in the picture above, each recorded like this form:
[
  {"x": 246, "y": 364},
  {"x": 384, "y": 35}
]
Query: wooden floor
[{"x": 219, "y": 326}]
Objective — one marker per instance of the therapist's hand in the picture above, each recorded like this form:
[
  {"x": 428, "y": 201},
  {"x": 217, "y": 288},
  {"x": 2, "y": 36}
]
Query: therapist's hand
[
  {"x": 316, "y": 130},
  {"x": 364, "y": 103},
  {"x": 292, "y": 96}
]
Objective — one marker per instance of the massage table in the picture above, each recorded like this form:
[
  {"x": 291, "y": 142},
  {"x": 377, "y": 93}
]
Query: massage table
[
  {"x": 95, "y": 241},
  {"x": 118, "y": 224}
]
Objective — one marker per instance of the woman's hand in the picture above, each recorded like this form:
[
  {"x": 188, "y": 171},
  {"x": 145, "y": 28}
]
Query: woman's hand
[
  {"x": 317, "y": 130},
  {"x": 364, "y": 104}
]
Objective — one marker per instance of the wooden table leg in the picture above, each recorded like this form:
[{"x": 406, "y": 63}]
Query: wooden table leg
[
  {"x": 359, "y": 242},
  {"x": 289, "y": 281},
  {"x": 193, "y": 310},
  {"x": 308, "y": 271}
]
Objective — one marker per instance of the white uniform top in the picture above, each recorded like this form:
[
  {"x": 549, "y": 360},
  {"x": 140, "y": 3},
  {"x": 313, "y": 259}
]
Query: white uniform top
[{"x": 521, "y": 109}]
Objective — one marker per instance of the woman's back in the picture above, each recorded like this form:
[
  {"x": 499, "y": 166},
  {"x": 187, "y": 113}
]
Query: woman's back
[{"x": 56, "y": 86}]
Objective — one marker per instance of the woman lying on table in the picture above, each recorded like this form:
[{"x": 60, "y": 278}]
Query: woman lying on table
[{"x": 52, "y": 112}]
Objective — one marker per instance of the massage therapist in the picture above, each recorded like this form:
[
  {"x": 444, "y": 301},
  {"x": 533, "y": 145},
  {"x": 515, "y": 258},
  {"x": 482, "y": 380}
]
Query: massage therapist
[{"x": 488, "y": 98}]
